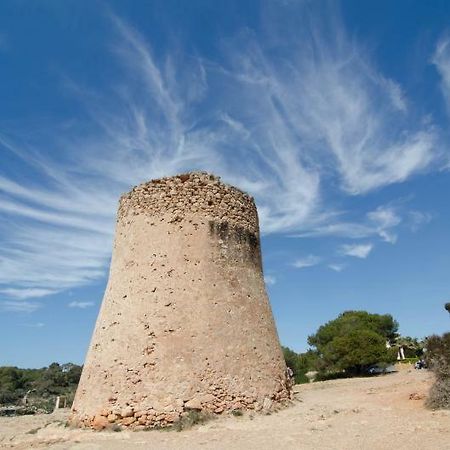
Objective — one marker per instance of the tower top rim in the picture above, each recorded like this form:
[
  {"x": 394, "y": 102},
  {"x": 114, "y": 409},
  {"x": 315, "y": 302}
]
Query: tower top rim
[{"x": 191, "y": 194}]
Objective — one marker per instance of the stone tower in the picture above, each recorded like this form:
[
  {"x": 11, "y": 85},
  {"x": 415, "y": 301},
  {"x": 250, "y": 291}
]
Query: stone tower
[{"x": 185, "y": 322}]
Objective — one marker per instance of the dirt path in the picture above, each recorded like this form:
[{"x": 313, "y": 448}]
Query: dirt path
[{"x": 365, "y": 413}]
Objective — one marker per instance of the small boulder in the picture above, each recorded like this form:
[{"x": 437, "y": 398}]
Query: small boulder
[
  {"x": 128, "y": 420},
  {"x": 112, "y": 418},
  {"x": 127, "y": 412},
  {"x": 207, "y": 398},
  {"x": 142, "y": 420},
  {"x": 99, "y": 422},
  {"x": 195, "y": 403},
  {"x": 172, "y": 417},
  {"x": 416, "y": 396},
  {"x": 267, "y": 404}
]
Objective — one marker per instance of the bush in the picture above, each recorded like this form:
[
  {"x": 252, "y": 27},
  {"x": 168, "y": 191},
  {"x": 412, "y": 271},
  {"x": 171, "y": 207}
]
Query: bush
[
  {"x": 327, "y": 376},
  {"x": 9, "y": 397},
  {"x": 438, "y": 360},
  {"x": 190, "y": 418}
]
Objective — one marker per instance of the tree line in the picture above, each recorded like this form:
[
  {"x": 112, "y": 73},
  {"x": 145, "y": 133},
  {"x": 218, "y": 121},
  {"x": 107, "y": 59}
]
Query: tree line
[{"x": 38, "y": 387}]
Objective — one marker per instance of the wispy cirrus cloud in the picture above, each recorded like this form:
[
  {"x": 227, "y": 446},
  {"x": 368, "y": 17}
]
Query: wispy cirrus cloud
[
  {"x": 27, "y": 293},
  {"x": 35, "y": 325},
  {"x": 441, "y": 60},
  {"x": 336, "y": 267},
  {"x": 306, "y": 261},
  {"x": 19, "y": 306},
  {"x": 417, "y": 219},
  {"x": 357, "y": 250},
  {"x": 80, "y": 305},
  {"x": 270, "y": 280},
  {"x": 381, "y": 222},
  {"x": 284, "y": 126},
  {"x": 330, "y": 94}
]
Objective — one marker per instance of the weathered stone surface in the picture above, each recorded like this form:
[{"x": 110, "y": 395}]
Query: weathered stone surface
[
  {"x": 128, "y": 420},
  {"x": 207, "y": 398},
  {"x": 267, "y": 404},
  {"x": 193, "y": 404},
  {"x": 127, "y": 412},
  {"x": 142, "y": 420},
  {"x": 99, "y": 422},
  {"x": 185, "y": 321}
]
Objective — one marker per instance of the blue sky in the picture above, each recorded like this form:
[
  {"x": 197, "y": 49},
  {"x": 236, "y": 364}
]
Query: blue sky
[{"x": 335, "y": 116}]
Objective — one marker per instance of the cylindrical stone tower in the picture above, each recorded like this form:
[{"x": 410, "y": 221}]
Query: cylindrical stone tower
[{"x": 185, "y": 321}]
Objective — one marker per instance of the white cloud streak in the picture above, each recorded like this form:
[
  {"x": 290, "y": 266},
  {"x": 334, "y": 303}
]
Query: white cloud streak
[
  {"x": 23, "y": 294},
  {"x": 381, "y": 222},
  {"x": 441, "y": 60},
  {"x": 357, "y": 250},
  {"x": 270, "y": 280},
  {"x": 19, "y": 306},
  {"x": 336, "y": 267},
  {"x": 307, "y": 261},
  {"x": 35, "y": 325},
  {"x": 80, "y": 305}
]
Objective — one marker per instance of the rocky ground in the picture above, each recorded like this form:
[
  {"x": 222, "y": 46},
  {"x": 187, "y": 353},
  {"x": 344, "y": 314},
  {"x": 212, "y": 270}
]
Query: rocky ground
[{"x": 366, "y": 413}]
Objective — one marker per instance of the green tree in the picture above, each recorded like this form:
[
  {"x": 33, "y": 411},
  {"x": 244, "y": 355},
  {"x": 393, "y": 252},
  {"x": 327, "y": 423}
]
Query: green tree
[
  {"x": 300, "y": 363},
  {"x": 354, "y": 341}
]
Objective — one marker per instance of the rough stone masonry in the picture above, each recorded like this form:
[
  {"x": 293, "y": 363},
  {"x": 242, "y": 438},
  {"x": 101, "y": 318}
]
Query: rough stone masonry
[{"x": 185, "y": 322}]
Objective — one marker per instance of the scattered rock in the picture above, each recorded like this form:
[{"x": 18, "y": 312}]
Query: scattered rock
[
  {"x": 193, "y": 404},
  {"x": 128, "y": 420},
  {"x": 127, "y": 412},
  {"x": 416, "y": 396},
  {"x": 99, "y": 422}
]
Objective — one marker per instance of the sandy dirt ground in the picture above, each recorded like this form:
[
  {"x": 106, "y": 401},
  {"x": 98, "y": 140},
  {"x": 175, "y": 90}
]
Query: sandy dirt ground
[{"x": 364, "y": 413}]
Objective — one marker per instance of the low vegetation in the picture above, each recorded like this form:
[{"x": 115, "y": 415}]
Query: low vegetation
[
  {"x": 438, "y": 359},
  {"x": 37, "y": 389},
  {"x": 191, "y": 418}
]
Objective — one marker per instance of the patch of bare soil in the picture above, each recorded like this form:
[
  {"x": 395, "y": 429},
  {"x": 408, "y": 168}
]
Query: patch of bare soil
[{"x": 365, "y": 413}]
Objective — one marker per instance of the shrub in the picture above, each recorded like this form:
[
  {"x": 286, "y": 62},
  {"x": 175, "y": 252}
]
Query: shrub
[
  {"x": 438, "y": 359},
  {"x": 326, "y": 376},
  {"x": 190, "y": 418}
]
